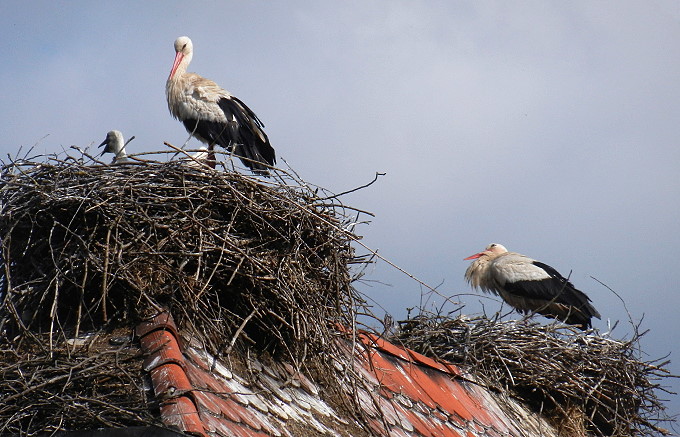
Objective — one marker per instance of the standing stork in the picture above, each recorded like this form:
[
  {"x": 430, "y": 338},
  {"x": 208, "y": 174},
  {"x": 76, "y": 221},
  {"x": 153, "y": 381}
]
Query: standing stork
[
  {"x": 214, "y": 116},
  {"x": 114, "y": 143},
  {"x": 529, "y": 286}
]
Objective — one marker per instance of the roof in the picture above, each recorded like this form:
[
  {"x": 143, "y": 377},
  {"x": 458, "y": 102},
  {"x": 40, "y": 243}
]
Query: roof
[{"x": 403, "y": 393}]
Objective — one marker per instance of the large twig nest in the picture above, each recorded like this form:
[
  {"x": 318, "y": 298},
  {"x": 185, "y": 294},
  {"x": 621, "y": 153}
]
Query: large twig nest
[
  {"x": 243, "y": 264},
  {"x": 86, "y": 246},
  {"x": 586, "y": 382}
]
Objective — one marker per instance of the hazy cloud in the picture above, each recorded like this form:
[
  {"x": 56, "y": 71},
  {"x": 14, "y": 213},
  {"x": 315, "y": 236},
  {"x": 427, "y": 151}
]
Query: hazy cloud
[{"x": 549, "y": 127}]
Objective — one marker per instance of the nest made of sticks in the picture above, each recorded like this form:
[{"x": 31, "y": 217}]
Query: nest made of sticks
[
  {"x": 73, "y": 390},
  {"x": 582, "y": 381},
  {"x": 243, "y": 263},
  {"x": 265, "y": 262}
]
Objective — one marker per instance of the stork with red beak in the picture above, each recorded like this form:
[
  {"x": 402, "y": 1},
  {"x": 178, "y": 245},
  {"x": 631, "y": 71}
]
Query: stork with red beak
[
  {"x": 529, "y": 286},
  {"x": 213, "y": 116}
]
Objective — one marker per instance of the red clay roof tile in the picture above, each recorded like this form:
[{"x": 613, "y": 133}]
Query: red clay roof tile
[
  {"x": 205, "y": 402},
  {"x": 181, "y": 413},
  {"x": 162, "y": 321},
  {"x": 452, "y": 369},
  {"x": 396, "y": 432},
  {"x": 250, "y": 418},
  {"x": 417, "y": 396},
  {"x": 446, "y": 431},
  {"x": 170, "y": 380},
  {"x": 419, "y": 426},
  {"x": 426, "y": 361},
  {"x": 163, "y": 348},
  {"x": 228, "y": 408},
  {"x": 374, "y": 341}
]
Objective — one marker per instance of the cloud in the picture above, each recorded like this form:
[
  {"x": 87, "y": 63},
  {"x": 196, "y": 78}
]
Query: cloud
[{"x": 548, "y": 127}]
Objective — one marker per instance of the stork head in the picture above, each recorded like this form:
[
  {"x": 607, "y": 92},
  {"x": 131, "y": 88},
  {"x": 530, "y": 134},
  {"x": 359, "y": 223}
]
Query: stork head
[
  {"x": 492, "y": 249},
  {"x": 184, "y": 50},
  {"x": 113, "y": 143}
]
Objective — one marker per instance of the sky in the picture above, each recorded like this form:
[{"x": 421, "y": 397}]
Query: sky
[{"x": 552, "y": 128}]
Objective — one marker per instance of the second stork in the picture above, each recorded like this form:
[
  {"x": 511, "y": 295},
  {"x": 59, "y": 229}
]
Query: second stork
[{"x": 529, "y": 286}]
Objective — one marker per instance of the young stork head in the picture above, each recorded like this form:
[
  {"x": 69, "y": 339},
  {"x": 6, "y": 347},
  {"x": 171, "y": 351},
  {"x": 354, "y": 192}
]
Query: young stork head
[{"x": 114, "y": 143}]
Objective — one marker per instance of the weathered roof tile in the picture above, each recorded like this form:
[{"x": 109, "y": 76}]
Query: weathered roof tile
[
  {"x": 170, "y": 380},
  {"x": 228, "y": 408},
  {"x": 180, "y": 413},
  {"x": 402, "y": 394},
  {"x": 162, "y": 347},
  {"x": 205, "y": 402},
  {"x": 274, "y": 387}
]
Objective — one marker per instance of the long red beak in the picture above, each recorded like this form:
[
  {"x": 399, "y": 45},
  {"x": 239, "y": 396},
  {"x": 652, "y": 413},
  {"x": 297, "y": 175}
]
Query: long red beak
[
  {"x": 178, "y": 58},
  {"x": 475, "y": 256}
]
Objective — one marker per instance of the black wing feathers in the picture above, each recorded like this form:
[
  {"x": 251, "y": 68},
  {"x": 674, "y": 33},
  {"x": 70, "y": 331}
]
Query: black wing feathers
[
  {"x": 245, "y": 132},
  {"x": 563, "y": 289},
  {"x": 206, "y": 130},
  {"x": 242, "y": 135},
  {"x": 555, "y": 297}
]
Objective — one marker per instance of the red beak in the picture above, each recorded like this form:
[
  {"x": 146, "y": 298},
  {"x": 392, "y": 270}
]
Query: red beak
[
  {"x": 475, "y": 256},
  {"x": 178, "y": 58}
]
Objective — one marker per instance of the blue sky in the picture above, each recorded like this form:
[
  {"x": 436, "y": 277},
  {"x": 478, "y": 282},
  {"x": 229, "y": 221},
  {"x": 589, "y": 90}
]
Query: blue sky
[{"x": 549, "y": 127}]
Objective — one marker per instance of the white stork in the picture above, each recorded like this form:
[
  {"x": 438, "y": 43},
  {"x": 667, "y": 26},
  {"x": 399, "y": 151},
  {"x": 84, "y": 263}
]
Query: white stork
[
  {"x": 529, "y": 286},
  {"x": 115, "y": 144},
  {"x": 214, "y": 116}
]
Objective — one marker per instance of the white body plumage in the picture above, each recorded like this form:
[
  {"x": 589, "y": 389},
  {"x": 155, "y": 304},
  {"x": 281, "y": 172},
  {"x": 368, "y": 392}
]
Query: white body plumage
[{"x": 529, "y": 285}]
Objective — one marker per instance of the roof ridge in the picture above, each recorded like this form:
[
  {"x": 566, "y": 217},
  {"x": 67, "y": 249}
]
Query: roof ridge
[{"x": 164, "y": 360}]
